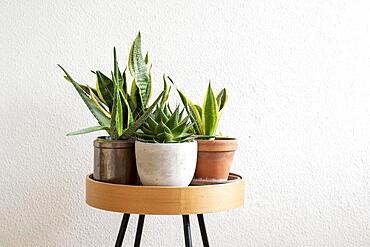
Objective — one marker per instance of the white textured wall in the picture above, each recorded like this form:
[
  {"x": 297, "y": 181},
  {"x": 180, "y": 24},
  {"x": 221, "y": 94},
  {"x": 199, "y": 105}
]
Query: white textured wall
[{"x": 299, "y": 83}]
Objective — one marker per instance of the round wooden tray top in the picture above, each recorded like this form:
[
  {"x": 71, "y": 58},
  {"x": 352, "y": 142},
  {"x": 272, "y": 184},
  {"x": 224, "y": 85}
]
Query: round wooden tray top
[{"x": 165, "y": 200}]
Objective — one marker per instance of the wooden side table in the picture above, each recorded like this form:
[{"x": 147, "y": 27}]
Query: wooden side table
[{"x": 163, "y": 200}]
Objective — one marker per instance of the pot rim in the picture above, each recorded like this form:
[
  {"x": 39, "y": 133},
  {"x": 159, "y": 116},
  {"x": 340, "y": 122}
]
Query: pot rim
[
  {"x": 221, "y": 138},
  {"x": 218, "y": 145},
  {"x": 165, "y": 143},
  {"x": 105, "y": 142}
]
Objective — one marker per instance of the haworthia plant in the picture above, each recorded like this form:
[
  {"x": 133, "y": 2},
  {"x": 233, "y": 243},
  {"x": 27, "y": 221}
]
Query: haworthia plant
[
  {"x": 165, "y": 126},
  {"x": 205, "y": 119}
]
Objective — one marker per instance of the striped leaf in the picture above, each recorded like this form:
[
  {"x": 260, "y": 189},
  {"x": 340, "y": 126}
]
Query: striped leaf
[
  {"x": 97, "y": 103},
  {"x": 104, "y": 88},
  {"x": 139, "y": 70},
  {"x": 194, "y": 115},
  {"x": 102, "y": 119}
]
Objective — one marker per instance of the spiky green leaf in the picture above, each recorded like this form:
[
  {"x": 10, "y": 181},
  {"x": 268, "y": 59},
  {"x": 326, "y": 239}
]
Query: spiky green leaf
[
  {"x": 135, "y": 101},
  {"x": 174, "y": 119},
  {"x": 104, "y": 88},
  {"x": 199, "y": 109},
  {"x": 97, "y": 103},
  {"x": 210, "y": 113},
  {"x": 102, "y": 119},
  {"x": 87, "y": 130},
  {"x": 166, "y": 90},
  {"x": 119, "y": 115},
  {"x": 134, "y": 126},
  {"x": 127, "y": 114}
]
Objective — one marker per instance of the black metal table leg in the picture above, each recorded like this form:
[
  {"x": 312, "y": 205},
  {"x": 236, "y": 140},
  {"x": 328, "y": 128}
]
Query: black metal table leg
[
  {"x": 139, "y": 230},
  {"x": 122, "y": 230},
  {"x": 187, "y": 231},
  {"x": 203, "y": 230}
]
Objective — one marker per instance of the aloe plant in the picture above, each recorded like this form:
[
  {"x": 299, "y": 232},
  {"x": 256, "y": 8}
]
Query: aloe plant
[
  {"x": 118, "y": 112},
  {"x": 205, "y": 118}
]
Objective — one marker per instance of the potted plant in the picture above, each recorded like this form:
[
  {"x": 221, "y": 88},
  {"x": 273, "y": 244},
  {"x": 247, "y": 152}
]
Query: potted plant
[
  {"x": 166, "y": 152},
  {"x": 119, "y": 113},
  {"x": 215, "y": 152}
]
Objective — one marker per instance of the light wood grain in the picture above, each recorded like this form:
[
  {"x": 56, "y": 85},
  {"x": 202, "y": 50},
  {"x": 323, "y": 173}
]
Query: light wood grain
[{"x": 161, "y": 200}]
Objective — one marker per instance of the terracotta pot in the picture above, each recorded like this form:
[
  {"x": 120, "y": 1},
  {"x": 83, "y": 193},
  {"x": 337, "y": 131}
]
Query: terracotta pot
[
  {"x": 214, "y": 159},
  {"x": 114, "y": 161}
]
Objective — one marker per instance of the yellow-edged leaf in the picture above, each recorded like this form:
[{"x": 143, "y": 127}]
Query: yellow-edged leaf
[
  {"x": 210, "y": 113},
  {"x": 93, "y": 98}
]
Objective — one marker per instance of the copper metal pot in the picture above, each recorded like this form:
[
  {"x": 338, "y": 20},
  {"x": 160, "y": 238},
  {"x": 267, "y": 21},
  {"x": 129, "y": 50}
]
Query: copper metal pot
[{"x": 114, "y": 161}]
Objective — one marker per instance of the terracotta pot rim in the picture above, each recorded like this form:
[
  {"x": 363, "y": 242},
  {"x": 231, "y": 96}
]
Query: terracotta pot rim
[
  {"x": 106, "y": 142},
  {"x": 219, "y": 139},
  {"x": 218, "y": 145}
]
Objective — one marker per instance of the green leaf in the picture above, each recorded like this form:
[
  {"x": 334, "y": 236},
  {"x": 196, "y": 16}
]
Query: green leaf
[
  {"x": 104, "y": 88},
  {"x": 119, "y": 116},
  {"x": 199, "y": 109},
  {"x": 127, "y": 114},
  {"x": 95, "y": 100},
  {"x": 195, "y": 117},
  {"x": 139, "y": 70},
  {"x": 124, "y": 87},
  {"x": 129, "y": 132},
  {"x": 146, "y": 130},
  {"x": 174, "y": 119},
  {"x": 146, "y": 137},
  {"x": 210, "y": 114},
  {"x": 87, "y": 130},
  {"x": 113, "y": 124},
  {"x": 164, "y": 137},
  {"x": 87, "y": 90},
  {"x": 166, "y": 90},
  {"x": 167, "y": 110},
  {"x": 192, "y": 111},
  {"x": 222, "y": 99},
  {"x": 136, "y": 102},
  {"x": 161, "y": 128},
  {"x": 146, "y": 60},
  {"x": 152, "y": 123},
  {"x": 98, "y": 114},
  {"x": 162, "y": 116},
  {"x": 149, "y": 87},
  {"x": 179, "y": 129}
]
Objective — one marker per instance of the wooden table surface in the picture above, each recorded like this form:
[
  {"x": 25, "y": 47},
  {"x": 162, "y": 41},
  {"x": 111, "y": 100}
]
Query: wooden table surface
[{"x": 165, "y": 200}]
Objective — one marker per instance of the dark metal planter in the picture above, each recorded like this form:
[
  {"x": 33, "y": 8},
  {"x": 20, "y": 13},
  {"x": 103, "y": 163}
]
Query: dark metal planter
[{"x": 114, "y": 161}]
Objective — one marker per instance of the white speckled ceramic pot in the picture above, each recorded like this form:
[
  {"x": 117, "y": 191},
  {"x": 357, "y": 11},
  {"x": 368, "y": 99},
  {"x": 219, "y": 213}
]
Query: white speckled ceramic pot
[{"x": 166, "y": 164}]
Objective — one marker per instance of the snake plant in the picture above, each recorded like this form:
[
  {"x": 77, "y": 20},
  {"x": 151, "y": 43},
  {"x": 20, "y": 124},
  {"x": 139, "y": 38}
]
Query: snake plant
[
  {"x": 118, "y": 112},
  {"x": 205, "y": 119},
  {"x": 165, "y": 125}
]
